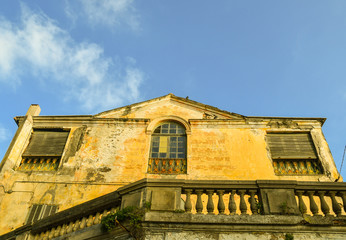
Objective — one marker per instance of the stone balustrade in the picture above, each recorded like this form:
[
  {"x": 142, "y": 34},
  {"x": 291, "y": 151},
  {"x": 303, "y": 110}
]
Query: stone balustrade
[
  {"x": 73, "y": 226},
  {"x": 322, "y": 199},
  {"x": 228, "y": 201},
  {"x": 222, "y": 199}
]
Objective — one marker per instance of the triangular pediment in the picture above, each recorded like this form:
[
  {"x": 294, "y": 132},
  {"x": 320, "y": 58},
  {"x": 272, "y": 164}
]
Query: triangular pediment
[{"x": 169, "y": 105}]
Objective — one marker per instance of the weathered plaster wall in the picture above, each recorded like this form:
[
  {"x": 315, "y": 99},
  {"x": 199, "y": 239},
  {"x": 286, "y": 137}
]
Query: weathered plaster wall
[{"x": 100, "y": 156}]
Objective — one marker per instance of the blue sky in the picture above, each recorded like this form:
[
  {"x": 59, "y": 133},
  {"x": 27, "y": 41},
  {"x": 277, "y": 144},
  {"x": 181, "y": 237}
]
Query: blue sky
[{"x": 256, "y": 58}]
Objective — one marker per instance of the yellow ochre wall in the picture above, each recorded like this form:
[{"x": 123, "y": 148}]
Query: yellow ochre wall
[{"x": 115, "y": 146}]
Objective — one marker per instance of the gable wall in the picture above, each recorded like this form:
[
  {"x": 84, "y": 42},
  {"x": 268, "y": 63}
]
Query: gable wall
[{"x": 114, "y": 153}]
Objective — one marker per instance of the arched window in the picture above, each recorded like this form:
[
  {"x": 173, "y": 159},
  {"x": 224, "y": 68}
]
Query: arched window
[{"x": 168, "y": 149}]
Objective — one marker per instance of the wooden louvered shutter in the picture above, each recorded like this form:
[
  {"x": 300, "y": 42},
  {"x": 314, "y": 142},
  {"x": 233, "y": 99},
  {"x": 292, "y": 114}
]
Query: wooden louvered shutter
[
  {"x": 46, "y": 143},
  {"x": 34, "y": 213},
  {"x": 39, "y": 211},
  {"x": 291, "y": 146}
]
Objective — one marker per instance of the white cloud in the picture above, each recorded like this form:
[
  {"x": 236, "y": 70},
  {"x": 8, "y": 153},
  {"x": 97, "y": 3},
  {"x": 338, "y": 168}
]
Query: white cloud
[
  {"x": 111, "y": 13},
  {"x": 40, "y": 47}
]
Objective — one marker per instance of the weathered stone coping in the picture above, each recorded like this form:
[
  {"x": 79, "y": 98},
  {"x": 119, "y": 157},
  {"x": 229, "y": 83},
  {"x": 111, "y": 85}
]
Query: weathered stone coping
[
  {"x": 91, "y": 207},
  {"x": 174, "y": 187}
]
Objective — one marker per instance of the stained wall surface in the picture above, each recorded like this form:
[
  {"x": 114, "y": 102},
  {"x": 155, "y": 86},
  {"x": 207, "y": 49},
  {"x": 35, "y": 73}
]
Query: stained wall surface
[{"x": 111, "y": 149}]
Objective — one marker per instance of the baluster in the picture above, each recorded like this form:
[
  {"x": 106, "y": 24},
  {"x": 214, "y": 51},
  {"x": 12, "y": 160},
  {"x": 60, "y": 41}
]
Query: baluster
[
  {"x": 324, "y": 205},
  {"x": 199, "y": 204},
  {"x": 105, "y": 213},
  {"x": 45, "y": 235},
  {"x": 37, "y": 236},
  {"x": 221, "y": 204},
  {"x": 42, "y": 235},
  {"x": 51, "y": 233},
  {"x": 188, "y": 205},
  {"x": 63, "y": 229},
  {"x": 313, "y": 205},
  {"x": 69, "y": 227},
  {"x": 83, "y": 223},
  {"x": 97, "y": 219},
  {"x": 343, "y": 196},
  {"x": 76, "y": 225},
  {"x": 242, "y": 205},
  {"x": 57, "y": 231},
  {"x": 90, "y": 220},
  {"x": 232, "y": 207},
  {"x": 302, "y": 206},
  {"x": 113, "y": 210},
  {"x": 210, "y": 204},
  {"x": 253, "y": 203},
  {"x": 335, "y": 204}
]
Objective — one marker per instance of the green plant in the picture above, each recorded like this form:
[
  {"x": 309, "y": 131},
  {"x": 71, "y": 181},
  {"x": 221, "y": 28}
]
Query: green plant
[
  {"x": 132, "y": 215},
  {"x": 289, "y": 236},
  {"x": 259, "y": 206},
  {"x": 147, "y": 205}
]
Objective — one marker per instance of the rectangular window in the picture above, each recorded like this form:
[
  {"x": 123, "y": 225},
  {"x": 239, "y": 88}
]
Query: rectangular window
[
  {"x": 44, "y": 150},
  {"x": 39, "y": 211},
  {"x": 293, "y": 153}
]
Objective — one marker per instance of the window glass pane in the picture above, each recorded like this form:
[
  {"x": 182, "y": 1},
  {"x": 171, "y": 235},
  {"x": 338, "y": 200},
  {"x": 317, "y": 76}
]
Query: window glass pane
[
  {"x": 181, "y": 130},
  {"x": 163, "y": 144},
  {"x": 173, "y": 128},
  {"x": 157, "y": 130},
  {"x": 166, "y": 143}
]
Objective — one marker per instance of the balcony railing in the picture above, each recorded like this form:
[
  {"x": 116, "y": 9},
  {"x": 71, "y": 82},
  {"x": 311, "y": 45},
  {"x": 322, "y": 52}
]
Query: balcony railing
[
  {"x": 212, "y": 199},
  {"x": 167, "y": 165}
]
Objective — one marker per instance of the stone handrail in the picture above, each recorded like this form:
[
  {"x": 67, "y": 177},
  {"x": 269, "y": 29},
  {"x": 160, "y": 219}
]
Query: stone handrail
[
  {"x": 212, "y": 197},
  {"x": 326, "y": 194},
  {"x": 232, "y": 189}
]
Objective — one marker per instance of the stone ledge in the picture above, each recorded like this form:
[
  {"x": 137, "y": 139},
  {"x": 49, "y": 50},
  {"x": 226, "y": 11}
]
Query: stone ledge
[{"x": 161, "y": 221}]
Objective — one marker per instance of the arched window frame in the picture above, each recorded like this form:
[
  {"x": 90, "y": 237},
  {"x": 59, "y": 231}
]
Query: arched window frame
[{"x": 167, "y": 165}]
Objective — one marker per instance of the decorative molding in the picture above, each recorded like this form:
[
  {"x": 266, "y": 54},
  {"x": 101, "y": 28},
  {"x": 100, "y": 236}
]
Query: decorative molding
[
  {"x": 156, "y": 121},
  {"x": 285, "y": 123},
  {"x": 209, "y": 116}
]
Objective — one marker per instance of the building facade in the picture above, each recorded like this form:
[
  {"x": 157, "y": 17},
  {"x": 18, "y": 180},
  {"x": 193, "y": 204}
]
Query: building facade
[{"x": 195, "y": 164}]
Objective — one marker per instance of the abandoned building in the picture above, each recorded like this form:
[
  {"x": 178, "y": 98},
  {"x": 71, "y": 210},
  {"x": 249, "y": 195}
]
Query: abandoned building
[{"x": 199, "y": 172}]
